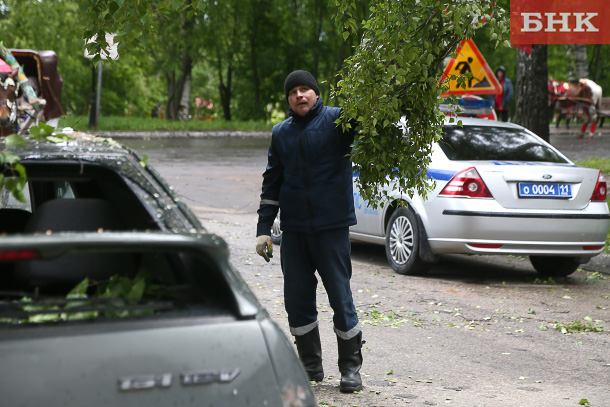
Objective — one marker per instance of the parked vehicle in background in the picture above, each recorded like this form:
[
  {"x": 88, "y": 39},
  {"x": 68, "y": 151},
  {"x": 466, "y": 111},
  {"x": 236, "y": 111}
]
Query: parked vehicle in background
[
  {"x": 498, "y": 189},
  {"x": 469, "y": 106},
  {"x": 41, "y": 69},
  {"x": 113, "y": 293}
]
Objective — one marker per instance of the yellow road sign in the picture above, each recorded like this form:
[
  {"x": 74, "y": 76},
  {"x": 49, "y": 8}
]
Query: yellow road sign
[{"x": 470, "y": 59}]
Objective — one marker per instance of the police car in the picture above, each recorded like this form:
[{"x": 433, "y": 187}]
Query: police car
[{"x": 498, "y": 189}]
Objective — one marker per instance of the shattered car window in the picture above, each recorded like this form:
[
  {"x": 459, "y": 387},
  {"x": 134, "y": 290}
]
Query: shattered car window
[{"x": 109, "y": 285}]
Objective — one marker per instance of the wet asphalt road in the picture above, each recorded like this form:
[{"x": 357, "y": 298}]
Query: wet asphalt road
[
  {"x": 577, "y": 149},
  {"x": 475, "y": 331}
]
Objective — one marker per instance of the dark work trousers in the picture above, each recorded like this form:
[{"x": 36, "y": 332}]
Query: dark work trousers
[{"x": 328, "y": 252}]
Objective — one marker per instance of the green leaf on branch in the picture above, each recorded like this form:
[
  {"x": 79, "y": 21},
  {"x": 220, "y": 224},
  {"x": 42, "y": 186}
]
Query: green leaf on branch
[
  {"x": 13, "y": 176},
  {"x": 144, "y": 160},
  {"x": 41, "y": 131},
  {"x": 15, "y": 140},
  {"x": 45, "y": 132},
  {"x": 396, "y": 72}
]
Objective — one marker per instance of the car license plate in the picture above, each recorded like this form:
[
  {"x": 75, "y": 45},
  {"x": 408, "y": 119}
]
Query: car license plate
[{"x": 544, "y": 190}]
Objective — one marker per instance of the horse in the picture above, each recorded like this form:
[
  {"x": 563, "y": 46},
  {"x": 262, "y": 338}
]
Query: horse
[
  {"x": 570, "y": 101},
  {"x": 8, "y": 105},
  {"x": 560, "y": 101}
]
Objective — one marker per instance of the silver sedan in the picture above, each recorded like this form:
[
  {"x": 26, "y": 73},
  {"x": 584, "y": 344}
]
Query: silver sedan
[{"x": 498, "y": 189}]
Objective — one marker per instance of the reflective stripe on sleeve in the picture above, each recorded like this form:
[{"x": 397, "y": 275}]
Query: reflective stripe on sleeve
[{"x": 269, "y": 202}]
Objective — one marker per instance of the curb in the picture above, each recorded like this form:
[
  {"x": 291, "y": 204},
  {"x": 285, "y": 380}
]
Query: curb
[
  {"x": 600, "y": 263},
  {"x": 173, "y": 134}
]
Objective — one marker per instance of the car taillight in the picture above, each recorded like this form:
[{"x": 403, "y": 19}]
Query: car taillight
[
  {"x": 467, "y": 183},
  {"x": 600, "y": 192},
  {"x": 18, "y": 255}
]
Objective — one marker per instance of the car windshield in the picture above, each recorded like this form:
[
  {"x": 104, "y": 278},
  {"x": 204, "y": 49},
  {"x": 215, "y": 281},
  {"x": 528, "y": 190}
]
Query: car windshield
[{"x": 495, "y": 143}]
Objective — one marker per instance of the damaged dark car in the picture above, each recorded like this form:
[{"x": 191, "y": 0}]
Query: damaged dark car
[{"x": 113, "y": 293}]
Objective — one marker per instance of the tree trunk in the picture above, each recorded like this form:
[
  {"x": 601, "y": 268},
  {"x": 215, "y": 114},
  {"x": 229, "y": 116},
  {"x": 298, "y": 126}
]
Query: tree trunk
[
  {"x": 594, "y": 69},
  {"x": 577, "y": 57},
  {"x": 531, "y": 94},
  {"x": 171, "y": 105},
  {"x": 179, "y": 91},
  {"x": 184, "y": 107},
  {"x": 225, "y": 88}
]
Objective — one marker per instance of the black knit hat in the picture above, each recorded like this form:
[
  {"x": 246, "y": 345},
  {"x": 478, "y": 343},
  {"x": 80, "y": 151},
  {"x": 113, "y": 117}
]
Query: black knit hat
[{"x": 298, "y": 78}]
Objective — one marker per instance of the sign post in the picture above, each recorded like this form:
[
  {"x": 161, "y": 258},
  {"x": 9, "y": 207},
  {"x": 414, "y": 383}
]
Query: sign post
[{"x": 111, "y": 53}]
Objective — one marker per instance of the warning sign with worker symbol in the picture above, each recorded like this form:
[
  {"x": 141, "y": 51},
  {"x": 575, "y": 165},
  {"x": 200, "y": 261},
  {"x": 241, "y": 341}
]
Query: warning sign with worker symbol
[{"x": 469, "y": 59}]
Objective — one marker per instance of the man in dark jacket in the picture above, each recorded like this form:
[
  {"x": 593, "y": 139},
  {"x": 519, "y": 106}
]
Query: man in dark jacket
[{"x": 309, "y": 177}]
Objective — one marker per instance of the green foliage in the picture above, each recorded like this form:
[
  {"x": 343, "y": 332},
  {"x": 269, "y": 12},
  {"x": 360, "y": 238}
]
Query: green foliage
[
  {"x": 144, "y": 161},
  {"x": 119, "y": 290},
  {"x": 241, "y": 50},
  {"x": 602, "y": 164},
  {"x": 548, "y": 281},
  {"x": 45, "y": 132},
  {"x": 12, "y": 174},
  {"x": 396, "y": 71},
  {"x": 579, "y": 327}
]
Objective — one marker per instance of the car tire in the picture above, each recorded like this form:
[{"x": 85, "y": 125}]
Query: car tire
[
  {"x": 402, "y": 243},
  {"x": 554, "y": 266},
  {"x": 276, "y": 231}
]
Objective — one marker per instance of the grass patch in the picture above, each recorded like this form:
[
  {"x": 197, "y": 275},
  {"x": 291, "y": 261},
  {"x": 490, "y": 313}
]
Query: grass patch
[
  {"x": 602, "y": 164},
  {"x": 123, "y": 123}
]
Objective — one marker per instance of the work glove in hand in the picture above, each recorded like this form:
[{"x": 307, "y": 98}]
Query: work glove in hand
[{"x": 264, "y": 247}]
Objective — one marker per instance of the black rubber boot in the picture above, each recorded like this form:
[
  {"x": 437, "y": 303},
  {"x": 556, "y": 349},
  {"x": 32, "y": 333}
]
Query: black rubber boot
[
  {"x": 310, "y": 353},
  {"x": 350, "y": 362}
]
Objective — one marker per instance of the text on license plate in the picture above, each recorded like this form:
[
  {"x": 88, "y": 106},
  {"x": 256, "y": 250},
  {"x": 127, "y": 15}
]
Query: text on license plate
[{"x": 544, "y": 190}]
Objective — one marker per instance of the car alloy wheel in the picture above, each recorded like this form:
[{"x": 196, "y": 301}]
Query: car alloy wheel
[
  {"x": 276, "y": 231},
  {"x": 402, "y": 243},
  {"x": 401, "y": 240}
]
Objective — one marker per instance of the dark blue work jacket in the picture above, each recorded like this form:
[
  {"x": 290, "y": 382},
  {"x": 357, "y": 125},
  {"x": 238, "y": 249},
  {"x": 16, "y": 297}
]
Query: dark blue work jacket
[{"x": 308, "y": 174}]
